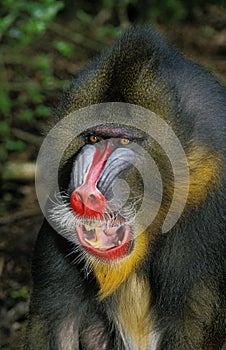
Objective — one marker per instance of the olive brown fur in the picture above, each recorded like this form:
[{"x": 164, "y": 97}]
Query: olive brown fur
[{"x": 170, "y": 295}]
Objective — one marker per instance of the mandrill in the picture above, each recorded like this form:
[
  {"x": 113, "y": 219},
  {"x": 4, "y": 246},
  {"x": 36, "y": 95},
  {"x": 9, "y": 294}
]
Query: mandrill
[{"x": 131, "y": 254}]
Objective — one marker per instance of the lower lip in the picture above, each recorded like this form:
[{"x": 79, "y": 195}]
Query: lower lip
[{"x": 111, "y": 254}]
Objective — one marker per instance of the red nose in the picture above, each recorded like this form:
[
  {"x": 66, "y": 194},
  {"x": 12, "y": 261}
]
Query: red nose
[{"x": 88, "y": 202}]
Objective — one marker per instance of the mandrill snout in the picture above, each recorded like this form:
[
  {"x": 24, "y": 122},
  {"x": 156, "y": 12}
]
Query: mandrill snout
[{"x": 88, "y": 202}]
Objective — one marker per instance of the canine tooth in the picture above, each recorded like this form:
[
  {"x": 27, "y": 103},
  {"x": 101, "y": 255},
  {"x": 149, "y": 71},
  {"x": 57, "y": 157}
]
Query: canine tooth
[
  {"x": 119, "y": 242},
  {"x": 93, "y": 244}
]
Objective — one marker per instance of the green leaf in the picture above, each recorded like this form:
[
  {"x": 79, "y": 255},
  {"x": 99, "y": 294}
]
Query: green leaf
[
  {"x": 20, "y": 293},
  {"x": 35, "y": 94},
  {"x": 12, "y": 145},
  {"x": 5, "y": 23},
  {"x": 84, "y": 17},
  {"x": 66, "y": 49},
  {"x": 7, "y": 197},
  {"x": 26, "y": 115},
  {"x": 5, "y": 103},
  {"x": 43, "y": 111},
  {"x": 4, "y": 127}
]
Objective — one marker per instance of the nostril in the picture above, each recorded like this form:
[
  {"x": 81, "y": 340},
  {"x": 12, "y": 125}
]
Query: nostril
[
  {"x": 79, "y": 196},
  {"x": 92, "y": 197},
  {"x": 77, "y": 204},
  {"x": 87, "y": 203}
]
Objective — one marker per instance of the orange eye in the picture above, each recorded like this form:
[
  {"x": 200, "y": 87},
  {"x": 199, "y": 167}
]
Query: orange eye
[
  {"x": 93, "y": 139},
  {"x": 124, "y": 141}
]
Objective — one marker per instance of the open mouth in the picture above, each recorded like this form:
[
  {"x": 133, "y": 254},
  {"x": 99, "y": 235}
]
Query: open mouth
[{"x": 105, "y": 241}]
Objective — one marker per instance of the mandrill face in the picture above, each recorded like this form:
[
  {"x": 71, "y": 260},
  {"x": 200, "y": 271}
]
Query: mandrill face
[{"x": 102, "y": 229}]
